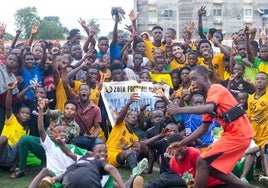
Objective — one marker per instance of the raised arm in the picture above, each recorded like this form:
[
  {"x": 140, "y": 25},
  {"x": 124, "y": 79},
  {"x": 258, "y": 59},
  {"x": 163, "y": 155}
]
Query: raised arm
[
  {"x": 42, "y": 103},
  {"x": 189, "y": 29},
  {"x": 133, "y": 98},
  {"x": 90, "y": 38},
  {"x": 22, "y": 95},
  {"x": 14, "y": 41},
  {"x": 133, "y": 17},
  {"x": 223, "y": 49},
  {"x": 83, "y": 23},
  {"x": 123, "y": 52},
  {"x": 115, "y": 30},
  {"x": 249, "y": 51},
  {"x": 34, "y": 31},
  {"x": 72, "y": 73},
  {"x": 2, "y": 34},
  {"x": 65, "y": 81},
  {"x": 55, "y": 51},
  {"x": 10, "y": 87},
  {"x": 201, "y": 12}
]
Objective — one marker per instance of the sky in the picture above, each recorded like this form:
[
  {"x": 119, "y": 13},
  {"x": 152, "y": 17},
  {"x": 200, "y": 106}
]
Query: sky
[{"x": 68, "y": 11}]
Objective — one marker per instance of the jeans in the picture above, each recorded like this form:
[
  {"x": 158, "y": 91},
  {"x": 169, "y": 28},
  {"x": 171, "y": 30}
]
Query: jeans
[
  {"x": 166, "y": 179},
  {"x": 87, "y": 143}
]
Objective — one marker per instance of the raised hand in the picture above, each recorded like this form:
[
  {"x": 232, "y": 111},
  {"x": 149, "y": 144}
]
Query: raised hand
[
  {"x": 135, "y": 97},
  {"x": 190, "y": 27},
  {"x": 35, "y": 28},
  {"x": 133, "y": 15},
  {"x": 2, "y": 29},
  {"x": 159, "y": 93},
  {"x": 42, "y": 103},
  {"x": 55, "y": 135},
  {"x": 215, "y": 40},
  {"x": 173, "y": 148},
  {"x": 246, "y": 30},
  {"x": 34, "y": 86},
  {"x": 55, "y": 49},
  {"x": 82, "y": 22},
  {"x": 11, "y": 85},
  {"x": 143, "y": 107},
  {"x": 202, "y": 10},
  {"x": 92, "y": 30},
  {"x": 129, "y": 28},
  {"x": 18, "y": 31},
  {"x": 263, "y": 33},
  {"x": 165, "y": 132}
]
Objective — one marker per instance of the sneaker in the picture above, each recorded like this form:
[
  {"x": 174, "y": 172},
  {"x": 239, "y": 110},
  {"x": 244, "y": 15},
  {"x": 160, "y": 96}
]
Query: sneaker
[
  {"x": 264, "y": 180},
  {"x": 244, "y": 180},
  {"x": 46, "y": 182},
  {"x": 141, "y": 166},
  {"x": 138, "y": 182}
]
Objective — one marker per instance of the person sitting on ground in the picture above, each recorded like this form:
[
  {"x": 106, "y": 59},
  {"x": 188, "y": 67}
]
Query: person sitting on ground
[
  {"x": 184, "y": 164},
  {"x": 107, "y": 180},
  {"x": 14, "y": 128},
  {"x": 57, "y": 158},
  {"x": 245, "y": 168},
  {"x": 166, "y": 178},
  {"x": 123, "y": 144}
]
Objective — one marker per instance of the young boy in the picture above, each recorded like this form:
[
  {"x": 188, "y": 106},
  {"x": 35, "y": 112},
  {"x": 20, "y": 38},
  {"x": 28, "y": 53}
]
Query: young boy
[
  {"x": 193, "y": 121},
  {"x": 184, "y": 164},
  {"x": 87, "y": 172},
  {"x": 234, "y": 140},
  {"x": 166, "y": 178},
  {"x": 257, "y": 113},
  {"x": 57, "y": 158},
  {"x": 13, "y": 129},
  {"x": 123, "y": 144},
  {"x": 107, "y": 181},
  {"x": 32, "y": 143}
]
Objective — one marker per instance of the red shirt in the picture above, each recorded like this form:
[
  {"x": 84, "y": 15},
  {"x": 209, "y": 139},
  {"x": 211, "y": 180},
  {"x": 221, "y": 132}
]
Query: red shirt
[
  {"x": 86, "y": 117},
  {"x": 187, "y": 168}
]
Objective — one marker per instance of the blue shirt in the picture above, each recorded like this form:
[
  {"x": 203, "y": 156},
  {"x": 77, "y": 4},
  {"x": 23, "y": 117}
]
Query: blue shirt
[{"x": 193, "y": 121}]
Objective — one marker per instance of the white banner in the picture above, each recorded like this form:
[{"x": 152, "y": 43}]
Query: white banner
[{"x": 116, "y": 94}]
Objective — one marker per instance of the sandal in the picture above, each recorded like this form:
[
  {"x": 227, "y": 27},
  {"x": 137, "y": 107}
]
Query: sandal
[{"x": 18, "y": 173}]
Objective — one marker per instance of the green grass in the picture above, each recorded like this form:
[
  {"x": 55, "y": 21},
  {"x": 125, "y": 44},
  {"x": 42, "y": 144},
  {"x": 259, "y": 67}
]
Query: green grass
[{"x": 6, "y": 182}]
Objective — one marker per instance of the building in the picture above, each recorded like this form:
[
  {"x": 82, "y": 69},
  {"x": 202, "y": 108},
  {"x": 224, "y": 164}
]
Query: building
[{"x": 226, "y": 15}]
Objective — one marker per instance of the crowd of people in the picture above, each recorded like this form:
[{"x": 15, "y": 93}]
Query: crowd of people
[{"x": 211, "y": 131}]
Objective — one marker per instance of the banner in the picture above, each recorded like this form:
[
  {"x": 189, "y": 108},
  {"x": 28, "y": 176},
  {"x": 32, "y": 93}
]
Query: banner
[{"x": 116, "y": 94}]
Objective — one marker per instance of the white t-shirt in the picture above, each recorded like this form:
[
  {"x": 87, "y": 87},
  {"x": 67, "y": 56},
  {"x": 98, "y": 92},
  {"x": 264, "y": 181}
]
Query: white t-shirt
[
  {"x": 130, "y": 62},
  {"x": 56, "y": 159}
]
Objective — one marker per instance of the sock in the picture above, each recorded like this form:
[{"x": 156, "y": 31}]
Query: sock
[{"x": 132, "y": 160}]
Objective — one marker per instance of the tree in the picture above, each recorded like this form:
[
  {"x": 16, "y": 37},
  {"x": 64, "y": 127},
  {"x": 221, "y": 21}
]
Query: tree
[
  {"x": 8, "y": 36},
  {"x": 25, "y": 18},
  {"x": 50, "y": 28}
]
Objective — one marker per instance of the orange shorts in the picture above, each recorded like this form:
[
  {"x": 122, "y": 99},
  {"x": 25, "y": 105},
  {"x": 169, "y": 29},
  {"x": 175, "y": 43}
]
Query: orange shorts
[{"x": 225, "y": 152}]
